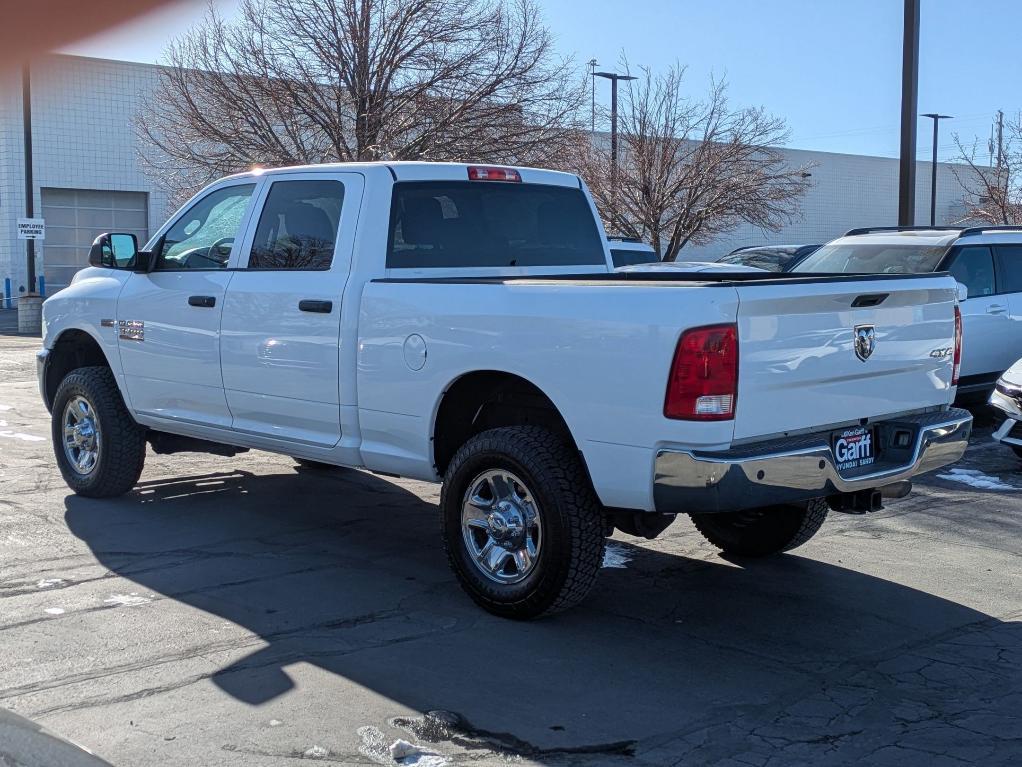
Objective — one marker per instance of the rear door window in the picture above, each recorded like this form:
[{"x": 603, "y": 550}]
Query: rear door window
[
  {"x": 298, "y": 226},
  {"x": 1009, "y": 268},
  {"x": 973, "y": 266},
  {"x": 486, "y": 224}
]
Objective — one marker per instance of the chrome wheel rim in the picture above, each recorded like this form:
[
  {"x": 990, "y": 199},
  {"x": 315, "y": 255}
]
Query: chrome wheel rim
[
  {"x": 501, "y": 526},
  {"x": 81, "y": 435}
]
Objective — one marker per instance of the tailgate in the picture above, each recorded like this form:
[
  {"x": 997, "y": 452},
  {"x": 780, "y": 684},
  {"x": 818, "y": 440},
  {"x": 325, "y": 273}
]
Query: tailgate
[{"x": 798, "y": 366}]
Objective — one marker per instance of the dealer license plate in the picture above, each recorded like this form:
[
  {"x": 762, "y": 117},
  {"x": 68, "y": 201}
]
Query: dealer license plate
[{"x": 853, "y": 448}]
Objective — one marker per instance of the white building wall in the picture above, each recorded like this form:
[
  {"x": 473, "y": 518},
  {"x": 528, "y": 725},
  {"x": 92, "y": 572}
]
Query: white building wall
[
  {"x": 84, "y": 114},
  {"x": 846, "y": 191}
]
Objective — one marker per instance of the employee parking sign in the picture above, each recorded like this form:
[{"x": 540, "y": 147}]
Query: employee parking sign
[{"x": 31, "y": 229}]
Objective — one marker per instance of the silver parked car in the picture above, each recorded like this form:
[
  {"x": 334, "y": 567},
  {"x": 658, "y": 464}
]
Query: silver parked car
[{"x": 986, "y": 259}]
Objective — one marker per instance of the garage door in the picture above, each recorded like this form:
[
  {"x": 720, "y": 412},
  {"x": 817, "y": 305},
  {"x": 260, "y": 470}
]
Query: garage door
[{"x": 73, "y": 219}]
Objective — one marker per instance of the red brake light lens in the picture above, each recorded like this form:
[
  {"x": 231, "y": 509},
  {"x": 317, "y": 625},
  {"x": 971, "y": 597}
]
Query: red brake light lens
[
  {"x": 488, "y": 173},
  {"x": 957, "y": 369},
  {"x": 703, "y": 382}
]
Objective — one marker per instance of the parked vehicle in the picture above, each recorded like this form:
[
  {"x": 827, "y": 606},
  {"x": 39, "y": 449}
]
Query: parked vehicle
[
  {"x": 1007, "y": 397},
  {"x": 987, "y": 260},
  {"x": 629, "y": 251},
  {"x": 773, "y": 258},
  {"x": 464, "y": 324}
]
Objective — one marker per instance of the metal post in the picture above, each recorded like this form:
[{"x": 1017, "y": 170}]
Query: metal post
[
  {"x": 909, "y": 99},
  {"x": 933, "y": 166},
  {"x": 613, "y": 139},
  {"x": 613, "y": 152},
  {"x": 933, "y": 176},
  {"x": 26, "y": 110},
  {"x": 592, "y": 74}
]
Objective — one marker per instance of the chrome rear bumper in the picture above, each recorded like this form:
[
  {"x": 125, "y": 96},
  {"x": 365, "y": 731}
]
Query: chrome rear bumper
[{"x": 799, "y": 468}]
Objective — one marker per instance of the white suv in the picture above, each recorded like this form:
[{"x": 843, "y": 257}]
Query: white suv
[{"x": 987, "y": 260}]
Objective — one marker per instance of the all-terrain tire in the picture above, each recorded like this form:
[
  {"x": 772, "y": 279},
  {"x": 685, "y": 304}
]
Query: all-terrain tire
[
  {"x": 762, "y": 532},
  {"x": 571, "y": 554},
  {"x": 121, "y": 446}
]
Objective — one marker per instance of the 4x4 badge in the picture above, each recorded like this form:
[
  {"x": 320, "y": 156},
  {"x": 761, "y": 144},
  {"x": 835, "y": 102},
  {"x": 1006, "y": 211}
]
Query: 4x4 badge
[{"x": 865, "y": 341}]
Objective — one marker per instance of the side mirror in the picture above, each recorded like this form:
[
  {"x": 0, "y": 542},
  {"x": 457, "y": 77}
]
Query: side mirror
[
  {"x": 118, "y": 251},
  {"x": 963, "y": 291}
]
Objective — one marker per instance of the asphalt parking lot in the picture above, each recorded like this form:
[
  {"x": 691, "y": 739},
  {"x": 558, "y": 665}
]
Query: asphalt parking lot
[{"x": 242, "y": 611}]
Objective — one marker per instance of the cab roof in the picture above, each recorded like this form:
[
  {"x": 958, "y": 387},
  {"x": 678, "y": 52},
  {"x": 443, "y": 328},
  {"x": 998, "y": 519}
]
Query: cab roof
[{"x": 408, "y": 170}]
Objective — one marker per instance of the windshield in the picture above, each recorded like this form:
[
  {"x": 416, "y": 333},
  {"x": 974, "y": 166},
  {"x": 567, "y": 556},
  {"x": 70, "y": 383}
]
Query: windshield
[
  {"x": 771, "y": 260},
  {"x": 864, "y": 258}
]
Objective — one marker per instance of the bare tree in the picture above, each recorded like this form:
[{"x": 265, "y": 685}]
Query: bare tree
[
  {"x": 992, "y": 194},
  {"x": 692, "y": 169},
  {"x": 307, "y": 81}
]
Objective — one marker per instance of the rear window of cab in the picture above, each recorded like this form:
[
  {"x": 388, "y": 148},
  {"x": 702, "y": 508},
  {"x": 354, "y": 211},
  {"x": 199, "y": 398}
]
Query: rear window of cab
[{"x": 454, "y": 224}]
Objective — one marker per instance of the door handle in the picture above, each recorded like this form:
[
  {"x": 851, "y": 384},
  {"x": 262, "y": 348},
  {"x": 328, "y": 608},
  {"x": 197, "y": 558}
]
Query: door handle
[
  {"x": 206, "y": 302},
  {"x": 320, "y": 307},
  {"x": 997, "y": 309}
]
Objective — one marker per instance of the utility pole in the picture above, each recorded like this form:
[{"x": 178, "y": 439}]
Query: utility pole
[
  {"x": 933, "y": 166},
  {"x": 1000, "y": 137},
  {"x": 26, "y": 109},
  {"x": 909, "y": 101},
  {"x": 613, "y": 77},
  {"x": 592, "y": 73},
  {"x": 30, "y": 302}
]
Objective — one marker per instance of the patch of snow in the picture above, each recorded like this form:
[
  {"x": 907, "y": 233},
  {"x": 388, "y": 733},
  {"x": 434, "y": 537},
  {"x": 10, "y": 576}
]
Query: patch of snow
[
  {"x": 127, "y": 600},
  {"x": 976, "y": 479},
  {"x": 316, "y": 752},
  {"x": 54, "y": 611},
  {"x": 23, "y": 437},
  {"x": 403, "y": 752},
  {"x": 616, "y": 555},
  {"x": 6, "y": 407},
  {"x": 373, "y": 747},
  {"x": 275, "y": 723},
  {"x": 49, "y": 583}
]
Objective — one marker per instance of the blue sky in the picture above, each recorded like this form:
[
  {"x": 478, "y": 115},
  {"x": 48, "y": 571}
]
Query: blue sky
[{"x": 831, "y": 68}]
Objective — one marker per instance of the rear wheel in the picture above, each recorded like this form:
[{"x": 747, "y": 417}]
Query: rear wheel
[
  {"x": 100, "y": 449},
  {"x": 521, "y": 523},
  {"x": 761, "y": 532}
]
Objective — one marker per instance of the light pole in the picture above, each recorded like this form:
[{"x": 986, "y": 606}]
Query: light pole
[
  {"x": 593, "y": 63},
  {"x": 909, "y": 102},
  {"x": 613, "y": 77},
  {"x": 933, "y": 169}
]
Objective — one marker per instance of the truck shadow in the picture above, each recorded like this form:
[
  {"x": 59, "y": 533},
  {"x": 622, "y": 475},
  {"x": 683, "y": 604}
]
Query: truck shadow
[{"x": 345, "y": 571}]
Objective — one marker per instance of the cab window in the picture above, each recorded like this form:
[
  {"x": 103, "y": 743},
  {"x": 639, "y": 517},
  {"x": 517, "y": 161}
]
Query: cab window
[
  {"x": 1009, "y": 268},
  {"x": 203, "y": 236},
  {"x": 973, "y": 266},
  {"x": 298, "y": 226}
]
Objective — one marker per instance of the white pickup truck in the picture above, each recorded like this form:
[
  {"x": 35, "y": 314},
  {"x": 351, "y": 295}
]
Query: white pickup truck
[{"x": 464, "y": 324}]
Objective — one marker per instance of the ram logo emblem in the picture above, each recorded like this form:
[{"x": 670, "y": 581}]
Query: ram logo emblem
[{"x": 865, "y": 341}]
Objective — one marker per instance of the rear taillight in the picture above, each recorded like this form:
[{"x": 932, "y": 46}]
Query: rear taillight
[
  {"x": 703, "y": 382},
  {"x": 957, "y": 368},
  {"x": 488, "y": 173}
]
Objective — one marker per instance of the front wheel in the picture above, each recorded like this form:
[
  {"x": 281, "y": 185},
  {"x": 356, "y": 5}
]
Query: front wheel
[
  {"x": 99, "y": 447},
  {"x": 521, "y": 523},
  {"x": 762, "y": 532}
]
